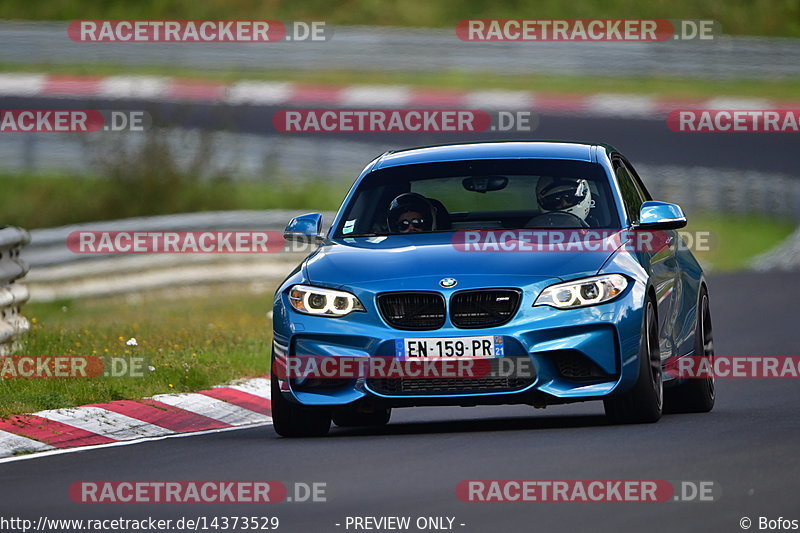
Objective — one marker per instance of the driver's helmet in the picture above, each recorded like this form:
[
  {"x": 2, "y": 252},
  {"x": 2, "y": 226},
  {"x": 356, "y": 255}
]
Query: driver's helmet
[
  {"x": 410, "y": 202},
  {"x": 566, "y": 195}
]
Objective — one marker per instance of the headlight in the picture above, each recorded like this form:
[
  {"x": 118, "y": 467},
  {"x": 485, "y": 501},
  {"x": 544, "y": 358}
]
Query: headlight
[
  {"x": 583, "y": 292},
  {"x": 323, "y": 302}
]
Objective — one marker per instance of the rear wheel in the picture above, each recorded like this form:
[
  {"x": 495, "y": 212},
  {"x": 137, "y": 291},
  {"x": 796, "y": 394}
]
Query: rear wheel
[
  {"x": 353, "y": 417},
  {"x": 644, "y": 402},
  {"x": 293, "y": 420},
  {"x": 697, "y": 395}
]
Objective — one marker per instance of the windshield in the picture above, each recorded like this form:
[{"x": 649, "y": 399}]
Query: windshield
[{"x": 475, "y": 195}]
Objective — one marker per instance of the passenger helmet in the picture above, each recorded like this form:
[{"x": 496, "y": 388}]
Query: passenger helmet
[{"x": 567, "y": 195}]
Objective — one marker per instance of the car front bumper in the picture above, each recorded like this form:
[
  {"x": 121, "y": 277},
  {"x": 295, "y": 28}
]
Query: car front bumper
[{"x": 576, "y": 354}]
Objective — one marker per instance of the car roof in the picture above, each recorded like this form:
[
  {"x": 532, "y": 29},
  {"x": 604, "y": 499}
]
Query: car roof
[{"x": 576, "y": 151}]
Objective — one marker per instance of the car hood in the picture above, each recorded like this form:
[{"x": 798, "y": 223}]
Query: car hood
[{"x": 358, "y": 261}]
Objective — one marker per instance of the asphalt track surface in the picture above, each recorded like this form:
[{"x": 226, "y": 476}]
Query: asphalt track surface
[
  {"x": 645, "y": 140},
  {"x": 748, "y": 446}
]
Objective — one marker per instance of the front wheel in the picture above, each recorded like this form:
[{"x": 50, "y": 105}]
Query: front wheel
[
  {"x": 697, "y": 395},
  {"x": 292, "y": 420},
  {"x": 644, "y": 402}
]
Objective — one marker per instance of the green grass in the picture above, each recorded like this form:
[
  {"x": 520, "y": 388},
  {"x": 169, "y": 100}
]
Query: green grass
[
  {"x": 751, "y": 17},
  {"x": 28, "y": 201},
  {"x": 734, "y": 241},
  {"x": 192, "y": 342},
  {"x": 770, "y": 88}
]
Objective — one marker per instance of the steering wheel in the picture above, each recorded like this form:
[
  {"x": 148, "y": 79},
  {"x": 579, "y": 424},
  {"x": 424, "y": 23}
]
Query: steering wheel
[{"x": 556, "y": 219}]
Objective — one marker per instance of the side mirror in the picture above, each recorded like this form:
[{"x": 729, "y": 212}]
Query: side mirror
[
  {"x": 305, "y": 228},
  {"x": 661, "y": 215}
]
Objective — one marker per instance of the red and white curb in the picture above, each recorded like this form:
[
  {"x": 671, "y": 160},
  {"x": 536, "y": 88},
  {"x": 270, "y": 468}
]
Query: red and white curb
[
  {"x": 243, "y": 403},
  {"x": 267, "y": 93}
]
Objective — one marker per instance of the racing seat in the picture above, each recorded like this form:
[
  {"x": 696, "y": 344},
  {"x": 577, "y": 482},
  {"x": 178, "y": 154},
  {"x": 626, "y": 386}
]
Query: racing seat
[{"x": 442, "y": 216}]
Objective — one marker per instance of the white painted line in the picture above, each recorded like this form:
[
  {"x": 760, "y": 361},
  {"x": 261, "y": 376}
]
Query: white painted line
[
  {"x": 369, "y": 96},
  {"x": 258, "y": 92},
  {"x": 21, "y": 84},
  {"x": 103, "y": 422},
  {"x": 621, "y": 105},
  {"x": 11, "y": 444},
  {"x": 257, "y": 386},
  {"x": 276, "y": 93},
  {"x": 212, "y": 408},
  {"x": 133, "y": 87},
  {"x": 59, "y": 451},
  {"x": 738, "y": 103},
  {"x": 510, "y": 100}
]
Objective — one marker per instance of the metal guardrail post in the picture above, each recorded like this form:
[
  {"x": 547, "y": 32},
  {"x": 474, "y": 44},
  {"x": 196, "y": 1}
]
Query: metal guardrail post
[{"x": 12, "y": 293}]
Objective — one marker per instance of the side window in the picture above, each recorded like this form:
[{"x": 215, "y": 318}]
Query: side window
[
  {"x": 637, "y": 181},
  {"x": 631, "y": 196}
]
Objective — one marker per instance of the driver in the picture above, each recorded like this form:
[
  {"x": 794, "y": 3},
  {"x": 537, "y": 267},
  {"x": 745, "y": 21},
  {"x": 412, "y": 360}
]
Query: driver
[
  {"x": 564, "y": 195},
  {"x": 410, "y": 213}
]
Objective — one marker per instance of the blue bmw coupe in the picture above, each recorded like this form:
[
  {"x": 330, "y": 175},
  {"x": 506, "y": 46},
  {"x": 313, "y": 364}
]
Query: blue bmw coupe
[{"x": 545, "y": 265}]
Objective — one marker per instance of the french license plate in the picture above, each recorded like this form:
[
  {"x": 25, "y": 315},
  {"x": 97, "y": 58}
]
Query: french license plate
[{"x": 488, "y": 346}]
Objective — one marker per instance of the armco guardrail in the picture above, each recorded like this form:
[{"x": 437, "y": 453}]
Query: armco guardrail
[
  {"x": 12, "y": 293},
  {"x": 48, "y": 246},
  {"x": 57, "y": 272}
]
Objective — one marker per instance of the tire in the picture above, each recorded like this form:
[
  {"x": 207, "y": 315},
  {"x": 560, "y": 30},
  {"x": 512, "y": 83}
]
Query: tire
[
  {"x": 292, "y": 420},
  {"x": 696, "y": 395},
  {"x": 352, "y": 417},
  {"x": 643, "y": 404}
]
